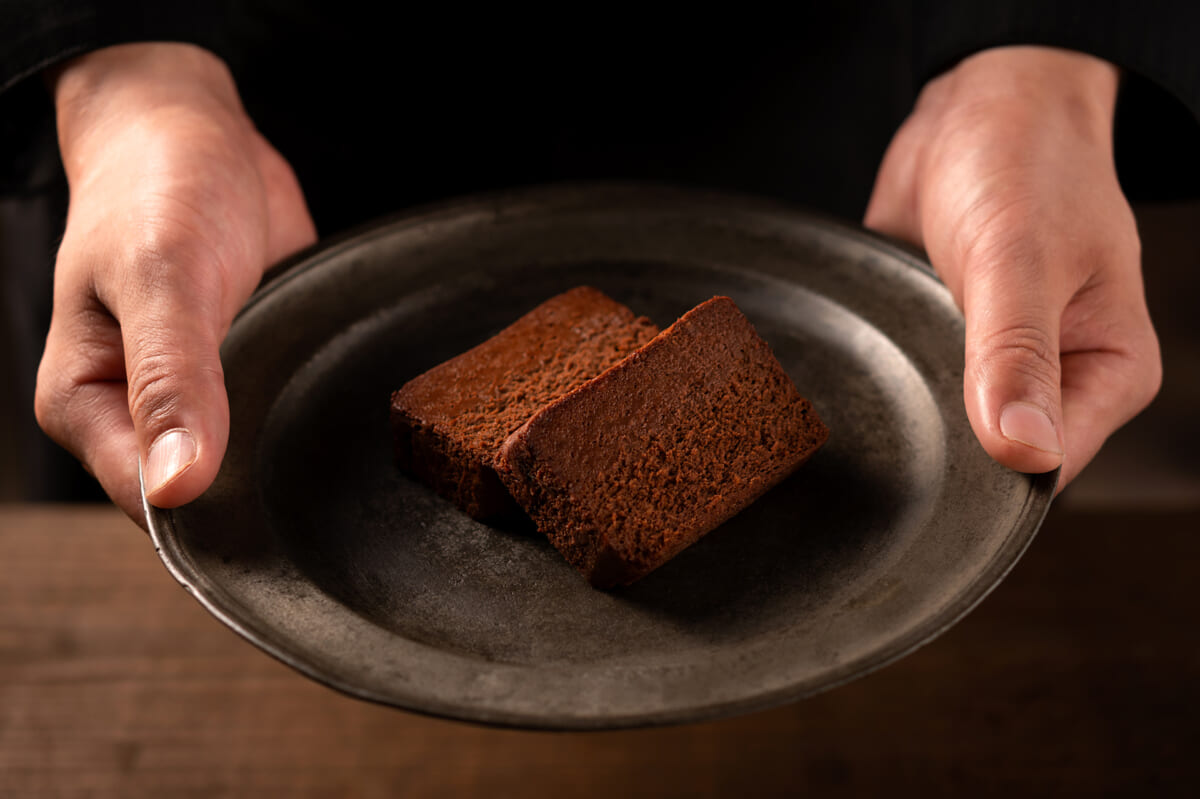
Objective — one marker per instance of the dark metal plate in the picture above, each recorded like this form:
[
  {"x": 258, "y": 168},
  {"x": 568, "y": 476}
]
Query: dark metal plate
[{"x": 314, "y": 548}]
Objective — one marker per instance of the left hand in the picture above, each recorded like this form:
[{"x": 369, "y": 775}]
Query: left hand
[
  {"x": 1004, "y": 173},
  {"x": 178, "y": 205}
]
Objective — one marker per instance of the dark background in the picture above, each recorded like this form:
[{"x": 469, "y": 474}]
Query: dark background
[{"x": 1077, "y": 676}]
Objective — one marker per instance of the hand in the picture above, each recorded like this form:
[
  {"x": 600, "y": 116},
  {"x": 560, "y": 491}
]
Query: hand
[
  {"x": 1004, "y": 174},
  {"x": 177, "y": 207}
]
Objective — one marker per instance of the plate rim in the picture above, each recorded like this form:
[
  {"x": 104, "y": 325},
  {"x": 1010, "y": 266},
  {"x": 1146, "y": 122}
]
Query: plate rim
[{"x": 1037, "y": 502}]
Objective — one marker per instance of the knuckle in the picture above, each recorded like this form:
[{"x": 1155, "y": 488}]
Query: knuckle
[
  {"x": 1026, "y": 349},
  {"x": 160, "y": 256},
  {"x": 153, "y": 388},
  {"x": 1025, "y": 342},
  {"x": 1150, "y": 373},
  {"x": 986, "y": 245},
  {"x": 1137, "y": 367},
  {"x": 53, "y": 398},
  {"x": 176, "y": 260},
  {"x": 175, "y": 236},
  {"x": 47, "y": 404},
  {"x": 65, "y": 410},
  {"x": 160, "y": 384}
]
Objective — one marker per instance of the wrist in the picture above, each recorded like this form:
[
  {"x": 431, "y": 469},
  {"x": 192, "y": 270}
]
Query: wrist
[
  {"x": 121, "y": 83},
  {"x": 144, "y": 64},
  {"x": 1041, "y": 82}
]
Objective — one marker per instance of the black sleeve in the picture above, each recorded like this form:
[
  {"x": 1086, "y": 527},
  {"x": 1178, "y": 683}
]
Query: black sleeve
[
  {"x": 1154, "y": 42},
  {"x": 40, "y": 33},
  {"x": 37, "y": 34}
]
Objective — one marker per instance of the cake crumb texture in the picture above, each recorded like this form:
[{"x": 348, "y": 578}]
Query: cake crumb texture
[
  {"x": 637, "y": 464},
  {"x": 449, "y": 422}
]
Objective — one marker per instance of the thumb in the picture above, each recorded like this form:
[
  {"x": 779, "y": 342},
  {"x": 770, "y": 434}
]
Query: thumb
[
  {"x": 177, "y": 398},
  {"x": 1012, "y": 379}
]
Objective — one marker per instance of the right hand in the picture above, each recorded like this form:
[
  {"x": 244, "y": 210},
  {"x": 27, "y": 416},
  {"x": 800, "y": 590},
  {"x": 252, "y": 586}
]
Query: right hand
[
  {"x": 1004, "y": 173},
  {"x": 177, "y": 206}
]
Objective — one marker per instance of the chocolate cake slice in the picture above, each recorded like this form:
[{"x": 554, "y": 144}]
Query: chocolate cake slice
[
  {"x": 632, "y": 467},
  {"x": 449, "y": 422}
]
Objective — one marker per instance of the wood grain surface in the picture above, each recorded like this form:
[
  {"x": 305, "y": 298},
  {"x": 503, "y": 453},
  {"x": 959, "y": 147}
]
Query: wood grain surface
[{"x": 1079, "y": 675}]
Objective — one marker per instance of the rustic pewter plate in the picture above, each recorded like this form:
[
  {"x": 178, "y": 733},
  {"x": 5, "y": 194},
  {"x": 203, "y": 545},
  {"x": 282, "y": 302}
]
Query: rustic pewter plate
[{"x": 313, "y": 547}]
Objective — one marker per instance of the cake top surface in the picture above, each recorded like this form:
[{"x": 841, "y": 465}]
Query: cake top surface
[{"x": 490, "y": 390}]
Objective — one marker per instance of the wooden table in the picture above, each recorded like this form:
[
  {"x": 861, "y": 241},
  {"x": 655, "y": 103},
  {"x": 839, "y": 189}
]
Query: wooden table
[{"x": 1080, "y": 674}]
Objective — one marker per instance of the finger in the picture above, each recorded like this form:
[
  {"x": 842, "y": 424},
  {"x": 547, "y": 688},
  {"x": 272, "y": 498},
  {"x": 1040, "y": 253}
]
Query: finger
[
  {"x": 894, "y": 207},
  {"x": 1012, "y": 377},
  {"x": 81, "y": 403},
  {"x": 1105, "y": 387},
  {"x": 172, "y": 323},
  {"x": 290, "y": 226},
  {"x": 107, "y": 446}
]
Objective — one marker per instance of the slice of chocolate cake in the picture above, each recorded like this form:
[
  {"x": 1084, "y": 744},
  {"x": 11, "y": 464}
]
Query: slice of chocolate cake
[
  {"x": 449, "y": 422},
  {"x": 632, "y": 467}
]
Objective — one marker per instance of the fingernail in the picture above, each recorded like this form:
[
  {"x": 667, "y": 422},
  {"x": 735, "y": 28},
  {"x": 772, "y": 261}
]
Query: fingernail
[
  {"x": 170, "y": 455},
  {"x": 1029, "y": 425}
]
